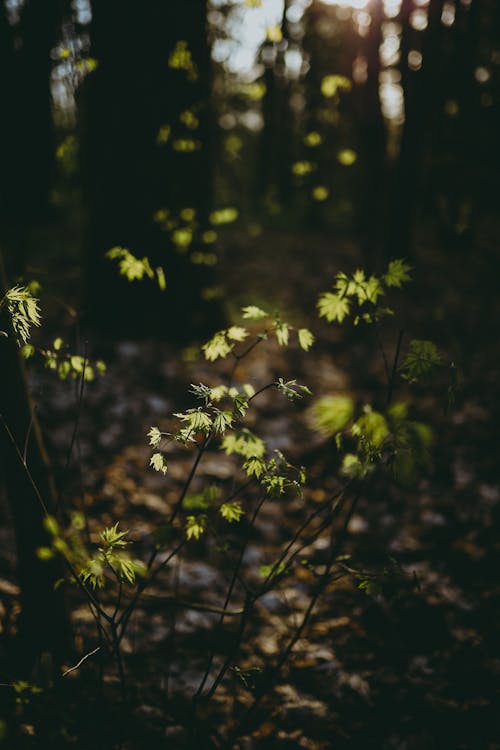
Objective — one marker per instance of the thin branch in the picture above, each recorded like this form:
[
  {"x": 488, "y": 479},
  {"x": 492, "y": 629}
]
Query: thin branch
[
  {"x": 84, "y": 658},
  {"x": 76, "y": 425},
  {"x": 392, "y": 379},
  {"x": 25, "y": 465}
]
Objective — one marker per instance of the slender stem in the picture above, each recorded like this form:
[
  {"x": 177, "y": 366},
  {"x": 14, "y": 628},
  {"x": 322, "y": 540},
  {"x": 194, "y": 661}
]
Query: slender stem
[
  {"x": 243, "y": 623},
  {"x": 25, "y": 465},
  {"x": 239, "y": 357},
  {"x": 383, "y": 353},
  {"x": 224, "y": 612},
  {"x": 336, "y": 498},
  {"x": 125, "y": 615},
  {"x": 324, "y": 580},
  {"x": 76, "y": 425},
  {"x": 392, "y": 379},
  {"x": 187, "y": 483},
  {"x": 84, "y": 658},
  {"x": 28, "y": 433}
]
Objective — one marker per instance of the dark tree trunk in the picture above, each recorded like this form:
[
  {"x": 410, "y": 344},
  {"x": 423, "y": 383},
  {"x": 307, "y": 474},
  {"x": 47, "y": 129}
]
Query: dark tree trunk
[
  {"x": 421, "y": 89},
  {"x": 43, "y": 623},
  {"x": 373, "y": 207},
  {"x": 27, "y": 153},
  {"x": 277, "y": 135},
  {"x": 128, "y": 176}
]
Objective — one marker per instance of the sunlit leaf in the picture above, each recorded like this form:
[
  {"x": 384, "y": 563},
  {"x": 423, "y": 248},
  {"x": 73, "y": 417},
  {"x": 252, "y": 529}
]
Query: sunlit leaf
[
  {"x": 397, "y": 273},
  {"x": 282, "y": 333},
  {"x": 332, "y": 414},
  {"x": 158, "y": 463},
  {"x": 333, "y": 307},
  {"x": 251, "y": 312},
  {"x": 154, "y": 436},
  {"x": 195, "y": 527},
  {"x": 306, "y": 338},
  {"x": 231, "y": 512},
  {"x": 218, "y": 346},
  {"x": 237, "y": 333}
]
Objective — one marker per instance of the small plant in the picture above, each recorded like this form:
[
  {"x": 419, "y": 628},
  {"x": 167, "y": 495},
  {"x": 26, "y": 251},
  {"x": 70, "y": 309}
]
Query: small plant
[{"x": 113, "y": 581}]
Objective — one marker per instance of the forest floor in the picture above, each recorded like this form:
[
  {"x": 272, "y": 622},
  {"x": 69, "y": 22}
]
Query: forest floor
[{"x": 413, "y": 666}]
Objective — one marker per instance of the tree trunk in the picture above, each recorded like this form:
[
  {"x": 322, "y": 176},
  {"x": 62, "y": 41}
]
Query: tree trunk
[
  {"x": 128, "y": 175},
  {"x": 421, "y": 89},
  {"x": 43, "y": 622}
]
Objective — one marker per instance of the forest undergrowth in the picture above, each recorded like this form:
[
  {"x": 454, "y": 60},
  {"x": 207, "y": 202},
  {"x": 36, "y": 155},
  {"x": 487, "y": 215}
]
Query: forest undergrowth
[{"x": 401, "y": 650}]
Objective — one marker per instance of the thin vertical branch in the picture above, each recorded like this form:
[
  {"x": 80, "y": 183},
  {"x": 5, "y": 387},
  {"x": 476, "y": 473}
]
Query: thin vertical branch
[{"x": 392, "y": 379}]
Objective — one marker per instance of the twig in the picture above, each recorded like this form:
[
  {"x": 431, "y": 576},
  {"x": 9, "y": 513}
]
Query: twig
[
  {"x": 394, "y": 367},
  {"x": 84, "y": 658}
]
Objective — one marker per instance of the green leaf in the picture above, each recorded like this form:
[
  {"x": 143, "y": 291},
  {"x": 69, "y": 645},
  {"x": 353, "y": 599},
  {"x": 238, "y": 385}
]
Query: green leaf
[
  {"x": 197, "y": 420},
  {"x": 125, "y": 569},
  {"x": 93, "y": 573},
  {"x": 134, "y": 269},
  {"x": 352, "y": 466},
  {"x": 160, "y": 275},
  {"x": 237, "y": 333},
  {"x": 218, "y": 346},
  {"x": 231, "y": 512},
  {"x": 27, "y": 351},
  {"x": 240, "y": 405},
  {"x": 77, "y": 363},
  {"x": 333, "y": 307},
  {"x": 218, "y": 393},
  {"x": 420, "y": 361},
  {"x": 274, "y": 484},
  {"x": 332, "y": 414},
  {"x": 253, "y": 313},
  {"x": 222, "y": 420},
  {"x": 291, "y": 389},
  {"x": 195, "y": 527},
  {"x": 373, "y": 290},
  {"x": 24, "y": 311},
  {"x": 158, "y": 463},
  {"x": 254, "y": 467},
  {"x": 154, "y": 436},
  {"x": 370, "y": 587},
  {"x": 203, "y": 392},
  {"x": 64, "y": 369},
  {"x": 306, "y": 338},
  {"x": 243, "y": 443},
  {"x": 272, "y": 571},
  {"x": 397, "y": 273},
  {"x": 51, "y": 525},
  {"x": 282, "y": 333},
  {"x": 372, "y": 426},
  {"x": 111, "y": 537}
]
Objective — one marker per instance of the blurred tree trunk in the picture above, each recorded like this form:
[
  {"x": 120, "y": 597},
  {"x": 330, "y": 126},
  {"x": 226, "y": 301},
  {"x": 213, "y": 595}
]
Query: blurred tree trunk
[
  {"x": 43, "y": 623},
  {"x": 468, "y": 163},
  {"x": 128, "y": 175},
  {"x": 421, "y": 89},
  {"x": 373, "y": 207},
  {"x": 27, "y": 153},
  {"x": 277, "y": 134}
]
